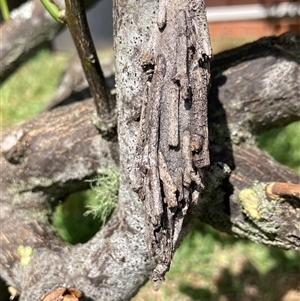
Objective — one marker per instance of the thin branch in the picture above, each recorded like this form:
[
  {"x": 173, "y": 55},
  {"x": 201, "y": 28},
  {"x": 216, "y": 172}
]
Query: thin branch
[
  {"x": 55, "y": 11},
  {"x": 79, "y": 29},
  {"x": 4, "y": 9},
  {"x": 276, "y": 190}
]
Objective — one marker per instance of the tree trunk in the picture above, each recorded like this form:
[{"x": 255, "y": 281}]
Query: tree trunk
[
  {"x": 50, "y": 156},
  {"x": 168, "y": 53}
]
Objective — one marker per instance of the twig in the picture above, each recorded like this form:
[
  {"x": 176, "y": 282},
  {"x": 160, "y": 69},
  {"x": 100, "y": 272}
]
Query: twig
[
  {"x": 79, "y": 29},
  {"x": 55, "y": 11},
  {"x": 277, "y": 189},
  {"x": 4, "y": 9}
]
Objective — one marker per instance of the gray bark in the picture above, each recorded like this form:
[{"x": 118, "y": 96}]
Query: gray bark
[
  {"x": 172, "y": 143},
  {"x": 46, "y": 158}
]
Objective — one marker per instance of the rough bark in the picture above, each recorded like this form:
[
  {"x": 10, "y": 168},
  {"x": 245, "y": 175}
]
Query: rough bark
[
  {"x": 242, "y": 86},
  {"x": 172, "y": 143},
  {"x": 30, "y": 27},
  {"x": 51, "y": 155}
]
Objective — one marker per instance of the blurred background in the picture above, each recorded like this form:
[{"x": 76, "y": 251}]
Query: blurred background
[
  {"x": 241, "y": 20},
  {"x": 209, "y": 265}
]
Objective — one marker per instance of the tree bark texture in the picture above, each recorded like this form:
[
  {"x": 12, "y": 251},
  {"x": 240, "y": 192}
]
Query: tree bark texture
[
  {"x": 29, "y": 29},
  {"x": 46, "y": 158},
  {"x": 172, "y": 143}
]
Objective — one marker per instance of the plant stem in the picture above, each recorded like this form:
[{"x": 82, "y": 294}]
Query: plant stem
[
  {"x": 77, "y": 22},
  {"x": 55, "y": 11},
  {"x": 4, "y": 9}
]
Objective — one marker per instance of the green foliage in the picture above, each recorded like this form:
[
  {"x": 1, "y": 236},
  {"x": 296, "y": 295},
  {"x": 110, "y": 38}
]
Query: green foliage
[{"x": 210, "y": 265}]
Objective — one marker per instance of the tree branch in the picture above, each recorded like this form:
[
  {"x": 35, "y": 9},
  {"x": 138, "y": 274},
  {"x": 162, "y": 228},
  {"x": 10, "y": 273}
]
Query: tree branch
[
  {"x": 52, "y": 155},
  {"x": 77, "y": 23},
  {"x": 236, "y": 201},
  {"x": 265, "y": 71}
]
